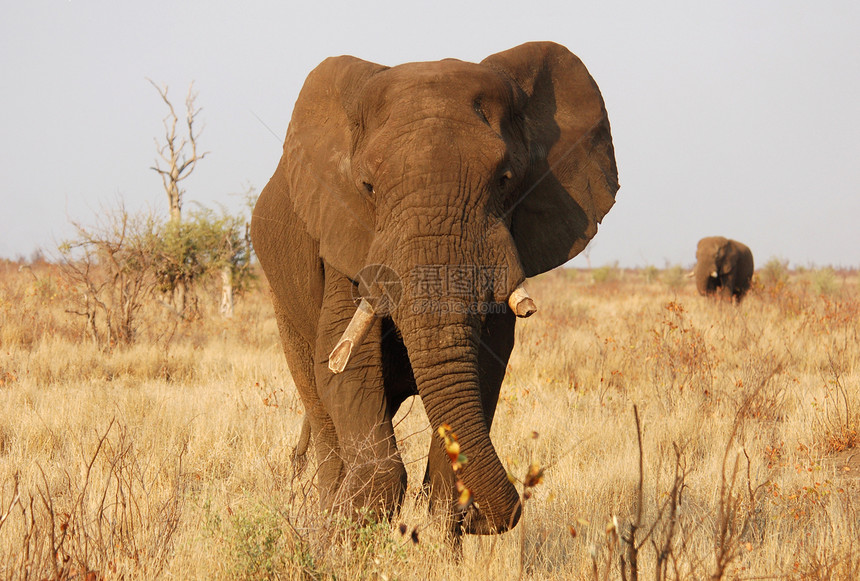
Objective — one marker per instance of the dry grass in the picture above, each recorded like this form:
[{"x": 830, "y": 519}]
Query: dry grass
[{"x": 171, "y": 458}]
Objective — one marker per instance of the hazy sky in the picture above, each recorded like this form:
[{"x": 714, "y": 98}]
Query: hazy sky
[{"x": 739, "y": 117}]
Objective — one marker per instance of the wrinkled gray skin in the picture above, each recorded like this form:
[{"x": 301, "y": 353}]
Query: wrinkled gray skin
[
  {"x": 724, "y": 268},
  {"x": 444, "y": 167}
]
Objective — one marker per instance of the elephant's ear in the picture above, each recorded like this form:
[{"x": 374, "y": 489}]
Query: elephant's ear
[
  {"x": 725, "y": 256},
  {"x": 318, "y": 165},
  {"x": 572, "y": 179}
]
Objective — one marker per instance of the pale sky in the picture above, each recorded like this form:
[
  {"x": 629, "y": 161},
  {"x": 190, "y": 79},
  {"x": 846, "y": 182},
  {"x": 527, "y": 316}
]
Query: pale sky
[{"x": 738, "y": 118}]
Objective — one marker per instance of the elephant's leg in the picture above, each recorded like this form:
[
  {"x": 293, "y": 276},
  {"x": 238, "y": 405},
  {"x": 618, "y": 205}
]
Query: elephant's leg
[
  {"x": 373, "y": 474},
  {"x": 727, "y": 289},
  {"x": 299, "y": 355},
  {"x": 301, "y": 449},
  {"x": 399, "y": 380},
  {"x": 497, "y": 342}
]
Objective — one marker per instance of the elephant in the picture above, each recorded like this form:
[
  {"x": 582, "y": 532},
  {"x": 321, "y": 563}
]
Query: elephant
[
  {"x": 724, "y": 268},
  {"x": 409, "y": 205}
]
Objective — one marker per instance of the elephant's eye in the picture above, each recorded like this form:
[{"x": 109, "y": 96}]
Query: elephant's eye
[
  {"x": 368, "y": 187},
  {"x": 478, "y": 106},
  {"x": 506, "y": 177}
]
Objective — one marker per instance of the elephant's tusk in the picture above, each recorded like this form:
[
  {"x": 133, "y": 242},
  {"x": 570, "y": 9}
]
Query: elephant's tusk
[
  {"x": 521, "y": 303},
  {"x": 355, "y": 333},
  {"x": 715, "y": 275}
]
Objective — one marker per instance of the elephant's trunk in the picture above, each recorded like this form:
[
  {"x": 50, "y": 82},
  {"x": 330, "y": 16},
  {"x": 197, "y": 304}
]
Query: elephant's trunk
[
  {"x": 443, "y": 350},
  {"x": 440, "y": 321}
]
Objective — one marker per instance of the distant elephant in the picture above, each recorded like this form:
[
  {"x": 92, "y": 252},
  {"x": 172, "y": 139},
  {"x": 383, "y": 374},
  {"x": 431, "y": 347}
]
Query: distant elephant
[
  {"x": 724, "y": 268},
  {"x": 410, "y": 204}
]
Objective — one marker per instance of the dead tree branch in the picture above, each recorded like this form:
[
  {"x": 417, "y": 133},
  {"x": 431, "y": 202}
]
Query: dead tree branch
[{"x": 179, "y": 153}]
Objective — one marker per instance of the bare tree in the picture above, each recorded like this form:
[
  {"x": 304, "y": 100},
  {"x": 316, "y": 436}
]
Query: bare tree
[
  {"x": 111, "y": 267},
  {"x": 236, "y": 269},
  {"x": 178, "y": 153}
]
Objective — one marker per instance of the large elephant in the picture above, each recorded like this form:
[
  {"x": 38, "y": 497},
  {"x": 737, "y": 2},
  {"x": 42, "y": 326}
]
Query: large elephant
[
  {"x": 430, "y": 191},
  {"x": 724, "y": 268}
]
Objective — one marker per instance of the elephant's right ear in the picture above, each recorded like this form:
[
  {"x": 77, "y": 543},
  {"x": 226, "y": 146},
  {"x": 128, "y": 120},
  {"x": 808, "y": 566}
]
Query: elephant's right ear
[
  {"x": 572, "y": 177},
  {"x": 725, "y": 257},
  {"x": 317, "y": 161}
]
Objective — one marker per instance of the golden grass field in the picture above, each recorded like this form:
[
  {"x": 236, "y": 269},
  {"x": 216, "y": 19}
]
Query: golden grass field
[{"x": 171, "y": 458}]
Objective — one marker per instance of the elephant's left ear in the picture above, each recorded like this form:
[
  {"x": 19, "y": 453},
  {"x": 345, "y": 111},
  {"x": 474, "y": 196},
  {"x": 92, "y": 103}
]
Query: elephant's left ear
[{"x": 573, "y": 178}]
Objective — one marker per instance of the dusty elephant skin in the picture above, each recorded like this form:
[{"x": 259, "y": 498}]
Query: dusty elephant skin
[
  {"x": 430, "y": 191},
  {"x": 724, "y": 268}
]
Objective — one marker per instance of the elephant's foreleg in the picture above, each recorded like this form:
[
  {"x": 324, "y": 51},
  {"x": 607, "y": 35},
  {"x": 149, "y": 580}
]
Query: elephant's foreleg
[
  {"x": 300, "y": 356},
  {"x": 439, "y": 483},
  {"x": 726, "y": 291},
  {"x": 497, "y": 342},
  {"x": 373, "y": 473}
]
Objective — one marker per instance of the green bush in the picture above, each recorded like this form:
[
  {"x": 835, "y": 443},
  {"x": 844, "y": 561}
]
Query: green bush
[
  {"x": 774, "y": 274},
  {"x": 675, "y": 276},
  {"x": 127, "y": 260},
  {"x": 202, "y": 245},
  {"x": 651, "y": 273},
  {"x": 823, "y": 281},
  {"x": 605, "y": 274},
  {"x": 259, "y": 543}
]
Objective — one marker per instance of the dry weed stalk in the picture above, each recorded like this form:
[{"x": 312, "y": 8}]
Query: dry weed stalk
[
  {"x": 105, "y": 523},
  {"x": 842, "y": 421},
  {"x": 630, "y": 560},
  {"x": 665, "y": 535},
  {"x": 734, "y": 516},
  {"x": 534, "y": 476}
]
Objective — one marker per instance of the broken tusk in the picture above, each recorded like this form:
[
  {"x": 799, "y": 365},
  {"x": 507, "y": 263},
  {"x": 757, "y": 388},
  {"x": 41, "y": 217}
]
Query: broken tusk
[
  {"x": 521, "y": 303},
  {"x": 355, "y": 333}
]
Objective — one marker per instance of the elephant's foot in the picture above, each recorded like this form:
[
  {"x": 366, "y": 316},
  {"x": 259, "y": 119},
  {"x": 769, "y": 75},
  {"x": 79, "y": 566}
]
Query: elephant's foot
[{"x": 372, "y": 490}]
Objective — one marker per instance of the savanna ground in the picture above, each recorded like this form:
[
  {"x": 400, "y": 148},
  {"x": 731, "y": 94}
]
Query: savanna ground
[{"x": 171, "y": 458}]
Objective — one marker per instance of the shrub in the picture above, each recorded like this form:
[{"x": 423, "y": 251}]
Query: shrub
[
  {"x": 605, "y": 274},
  {"x": 651, "y": 273},
  {"x": 674, "y": 277},
  {"x": 204, "y": 246},
  {"x": 112, "y": 266},
  {"x": 823, "y": 281},
  {"x": 774, "y": 274},
  {"x": 127, "y": 260}
]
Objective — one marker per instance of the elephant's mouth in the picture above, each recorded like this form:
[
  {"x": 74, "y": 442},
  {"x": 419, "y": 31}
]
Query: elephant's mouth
[{"x": 519, "y": 302}]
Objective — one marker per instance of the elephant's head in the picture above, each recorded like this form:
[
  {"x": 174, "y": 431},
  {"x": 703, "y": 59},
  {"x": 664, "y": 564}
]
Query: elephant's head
[
  {"x": 463, "y": 179},
  {"x": 711, "y": 254}
]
